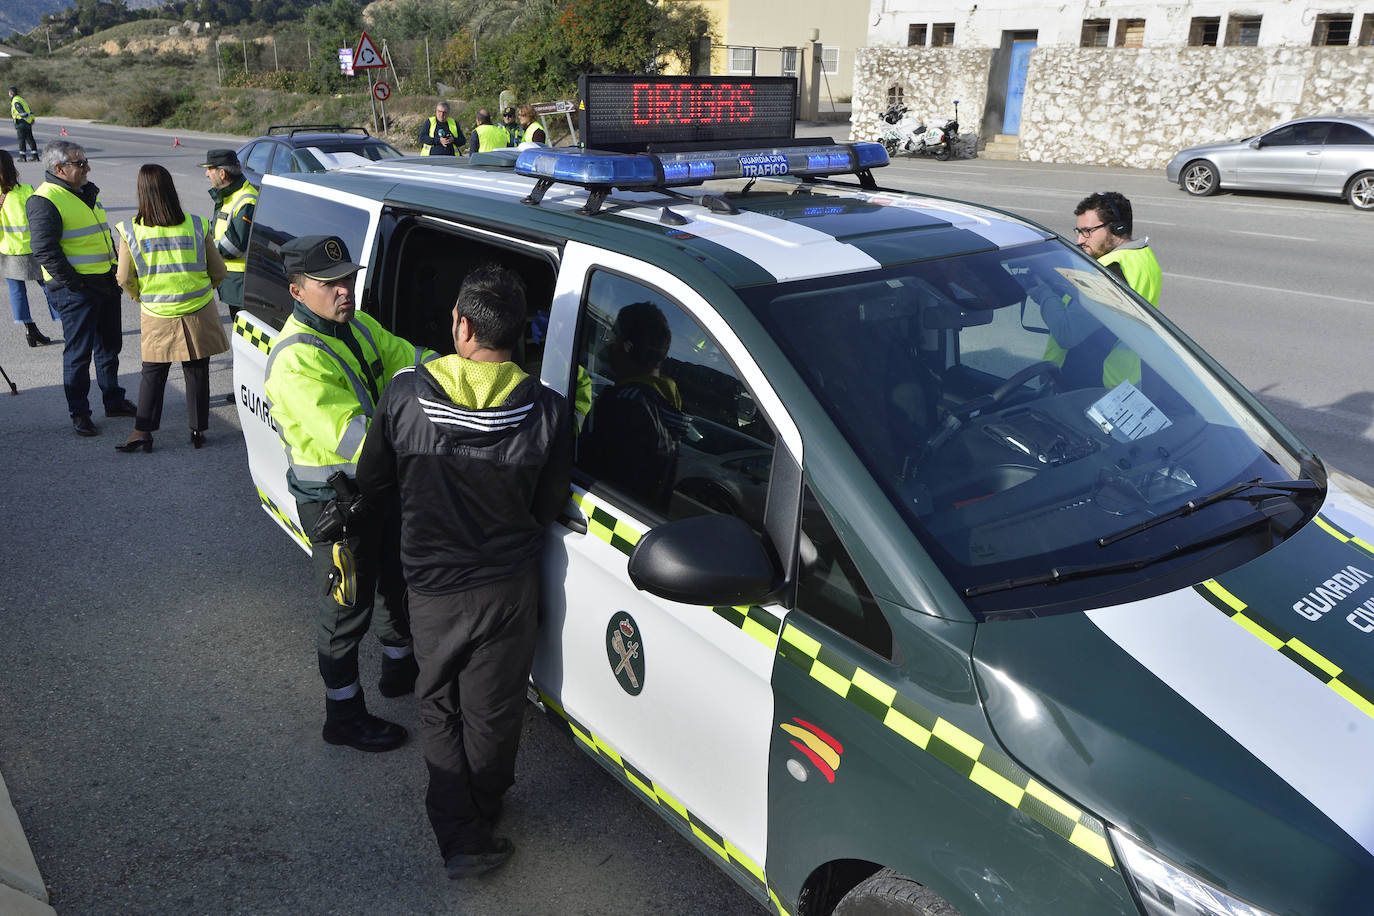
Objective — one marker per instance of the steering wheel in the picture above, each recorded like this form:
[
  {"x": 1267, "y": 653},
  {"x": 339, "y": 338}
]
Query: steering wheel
[{"x": 1044, "y": 369}]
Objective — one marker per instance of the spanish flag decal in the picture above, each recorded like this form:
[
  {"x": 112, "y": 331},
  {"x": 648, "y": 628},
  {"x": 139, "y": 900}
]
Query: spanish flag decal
[{"x": 820, "y": 748}]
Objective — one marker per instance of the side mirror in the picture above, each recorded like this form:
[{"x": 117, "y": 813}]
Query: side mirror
[
  {"x": 1256, "y": 143},
  {"x": 711, "y": 560}
]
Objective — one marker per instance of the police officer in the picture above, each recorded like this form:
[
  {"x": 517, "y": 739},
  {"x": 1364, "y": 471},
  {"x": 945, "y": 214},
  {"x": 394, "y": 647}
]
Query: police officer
[
  {"x": 326, "y": 371},
  {"x": 511, "y": 126},
  {"x": 486, "y": 451},
  {"x": 486, "y": 135},
  {"x": 23, "y": 124},
  {"x": 440, "y": 136},
  {"x": 235, "y": 203},
  {"x": 1087, "y": 352}
]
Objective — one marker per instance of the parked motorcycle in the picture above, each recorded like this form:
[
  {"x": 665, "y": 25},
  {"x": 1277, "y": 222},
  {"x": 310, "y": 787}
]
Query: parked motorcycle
[{"x": 909, "y": 134}]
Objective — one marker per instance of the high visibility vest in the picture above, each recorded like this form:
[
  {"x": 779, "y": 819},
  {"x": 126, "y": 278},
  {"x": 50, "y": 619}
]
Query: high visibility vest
[
  {"x": 489, "y": 136},
  {"x": 514, "y": 132},
  {"x": 170, "y": 260},
  {"x": 19, "y": 110},
  {"x": 1140, "y": 268},
  {"x": 234, "y": 260},
  {"x": 322, "y": 399},
  {"x": 14, "y": 222},
  {"x": 531, "y": 127},
  {"x": 86, "y": 241},
  {"x": 427, "y": 149}
]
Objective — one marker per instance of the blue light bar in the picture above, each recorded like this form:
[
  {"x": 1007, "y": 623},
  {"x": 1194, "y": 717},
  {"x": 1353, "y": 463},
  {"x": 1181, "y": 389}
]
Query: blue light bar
[{"x": 643, "y": 171}]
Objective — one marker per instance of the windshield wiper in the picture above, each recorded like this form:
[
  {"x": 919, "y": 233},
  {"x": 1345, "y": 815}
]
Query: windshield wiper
[
  {"x": 1193, "y": 505},
  {"x": 1068, "y": 573}
]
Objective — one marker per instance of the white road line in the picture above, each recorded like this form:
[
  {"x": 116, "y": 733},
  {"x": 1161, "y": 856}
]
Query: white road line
[
  {"x": 1270, "y": 289},
  {"x": 1270, "y": 235}
]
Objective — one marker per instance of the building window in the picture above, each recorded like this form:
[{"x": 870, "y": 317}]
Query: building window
[
  {"x": 1333, "y": 29},
  {"x": 789, "y": 61},
  {"x": 1367, "y": 31},
  {"x": 1242, "y": 31},
  {"x": 741, "y": 60},
  {"x": 1204, "y": 31},
  {"x": 942, "y": 34},
  {"x": 1130, "y": 33},
  {"x": 915, "y": 35},
  {"x": 1095, "y": 33},
  {"x": 830, "y": 60},
  {"x": 896, "y": 95}
]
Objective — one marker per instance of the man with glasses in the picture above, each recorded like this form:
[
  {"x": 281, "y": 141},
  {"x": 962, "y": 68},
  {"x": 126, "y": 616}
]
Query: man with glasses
[
  {"x": 440, "y": 136},
  {"x": 1104, "y": 229},
  {"x": 71, "y": 242}
]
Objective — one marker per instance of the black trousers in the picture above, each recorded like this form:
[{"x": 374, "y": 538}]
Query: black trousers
[
  {"x": 474, "y": 649},
  {"x": 154, "y": 385},
  {"x": 24, "y": 131},
  {"x": 339, "y": 630}
]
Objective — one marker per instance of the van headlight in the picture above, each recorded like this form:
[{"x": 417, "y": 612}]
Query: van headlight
[{"x": 1165, "y": 889}]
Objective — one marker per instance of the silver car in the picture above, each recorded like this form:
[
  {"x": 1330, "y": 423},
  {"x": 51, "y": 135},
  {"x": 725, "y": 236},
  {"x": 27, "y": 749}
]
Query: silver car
[{"x": 1326, "y": 154}]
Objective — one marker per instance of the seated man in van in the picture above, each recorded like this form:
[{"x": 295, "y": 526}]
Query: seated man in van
[{"x": 630, "y": 438}]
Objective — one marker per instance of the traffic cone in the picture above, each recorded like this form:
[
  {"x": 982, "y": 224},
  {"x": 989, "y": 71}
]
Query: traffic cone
[
  {"x": 176, "y": 141},
  {"x": 64, "y": 131}
]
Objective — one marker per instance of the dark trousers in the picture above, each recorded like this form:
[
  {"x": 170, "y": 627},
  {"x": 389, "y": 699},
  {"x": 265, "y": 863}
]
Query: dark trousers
[
  {"x": 474, "y": 649},
  {"x": 154, "y": 385},
  {"x": 340, "y": 630},
  {"x": 90, "y": 324},
  {"x": 24, "y": 131}
]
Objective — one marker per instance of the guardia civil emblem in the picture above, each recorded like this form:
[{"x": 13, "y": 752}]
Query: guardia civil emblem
[
  {"x": 625, "y": 651},
  {"x": 333, "y": 251}
]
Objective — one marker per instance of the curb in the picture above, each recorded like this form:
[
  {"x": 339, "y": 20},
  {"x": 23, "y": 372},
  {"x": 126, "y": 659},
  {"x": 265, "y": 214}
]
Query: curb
[{"x": 22, "y": 891}]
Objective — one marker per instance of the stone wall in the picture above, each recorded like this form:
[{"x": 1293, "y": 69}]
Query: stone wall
[
  {"x": 1139, "y": 106},
  {"x": 931, "y": 80}
]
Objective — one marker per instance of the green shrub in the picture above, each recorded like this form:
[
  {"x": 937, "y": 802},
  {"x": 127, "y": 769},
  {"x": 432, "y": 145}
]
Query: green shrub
[{"x": 149, "y": 106}]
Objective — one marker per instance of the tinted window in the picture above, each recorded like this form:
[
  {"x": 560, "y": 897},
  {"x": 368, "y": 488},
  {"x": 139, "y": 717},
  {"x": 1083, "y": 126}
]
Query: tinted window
[
  {"x": 281, "y": 159},
  {"x": 281, "y": 216},
  {"x": 829, "y": 587},
  {"x": 1304, "y": 134},
  {"x": 666, "y": 422},
  {"x": 259, "y": 157},
  {"x": 1348, "y": 135}
]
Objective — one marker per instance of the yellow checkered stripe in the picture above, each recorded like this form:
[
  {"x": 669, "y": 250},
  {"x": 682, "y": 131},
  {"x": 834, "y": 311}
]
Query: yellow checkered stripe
[
  {"x": 694, "y": 827},
  {"x": 754, "y": 621},
  {"x": 955, "y": 748},
  {"x": 606, "y": 526},
  {"x": 1289, "y": 646},
  {"x": 1342, "y": 535},
  {"x": 275, "y": 511},
  {"x": 252, "y": 333}
]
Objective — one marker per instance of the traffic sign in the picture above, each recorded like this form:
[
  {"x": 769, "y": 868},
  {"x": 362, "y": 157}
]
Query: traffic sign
[
  {"x": 381, "y": 91},
  {"x": 366, "y": 56},
  {"x": 548, "y": 108}
]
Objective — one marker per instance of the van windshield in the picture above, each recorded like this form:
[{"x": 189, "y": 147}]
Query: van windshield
[{"x": 1025, "y": 415}]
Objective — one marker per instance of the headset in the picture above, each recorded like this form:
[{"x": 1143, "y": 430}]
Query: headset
[{"x": 1118, "y": 224}]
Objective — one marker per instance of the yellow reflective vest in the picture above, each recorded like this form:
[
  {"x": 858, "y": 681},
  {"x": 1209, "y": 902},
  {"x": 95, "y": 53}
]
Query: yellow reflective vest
[
  {"x": 19, "y": 110},
  {"x": 1140, "y": 267},
  {"x": 170, "y": 261},
  {"x": 322, "y": 397},
  {"x": 489, "y": 137},
  {"x": 86, "y": 241},
  {"x": 14, "y": 222},
  {"x": 426, "y": 149},
  {"x": 531, "y": 127},
  {"x": 229, "y": 208}
]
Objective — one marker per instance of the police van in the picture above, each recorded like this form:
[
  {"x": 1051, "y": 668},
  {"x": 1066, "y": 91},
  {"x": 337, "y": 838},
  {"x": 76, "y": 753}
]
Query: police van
[{"x": 892, "y": 603}]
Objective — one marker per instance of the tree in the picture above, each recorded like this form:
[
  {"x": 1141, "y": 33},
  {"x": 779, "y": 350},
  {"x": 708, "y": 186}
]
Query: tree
[{"x": 608, "y": 36}]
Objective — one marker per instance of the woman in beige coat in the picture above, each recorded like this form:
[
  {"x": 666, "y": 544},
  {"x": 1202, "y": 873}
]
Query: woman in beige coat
[{"x": 168, "y": 263}]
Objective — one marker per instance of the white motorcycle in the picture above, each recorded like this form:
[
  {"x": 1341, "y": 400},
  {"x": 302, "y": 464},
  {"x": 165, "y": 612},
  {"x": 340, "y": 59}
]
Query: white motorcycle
[{"x": 908, "y": 134}]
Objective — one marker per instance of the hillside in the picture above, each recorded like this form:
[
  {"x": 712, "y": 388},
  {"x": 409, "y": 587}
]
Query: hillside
[{"x": 23, "y": 16}]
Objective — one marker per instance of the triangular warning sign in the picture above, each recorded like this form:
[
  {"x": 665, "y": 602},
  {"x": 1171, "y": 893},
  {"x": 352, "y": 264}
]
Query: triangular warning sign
[{"x": 366, "y": 56}]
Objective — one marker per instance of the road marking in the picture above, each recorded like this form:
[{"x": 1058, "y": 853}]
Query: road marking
[
  {"x": 1271, "y": 289},
  {"x": 1270, "y": 235}
]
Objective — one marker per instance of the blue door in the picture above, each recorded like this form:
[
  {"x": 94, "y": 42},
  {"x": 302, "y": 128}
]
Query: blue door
[{"x": 1016, "y": 85}]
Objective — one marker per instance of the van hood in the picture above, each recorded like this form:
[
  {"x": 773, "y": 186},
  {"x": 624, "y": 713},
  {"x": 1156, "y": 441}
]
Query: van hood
[{"x": 1229, "y": 726}]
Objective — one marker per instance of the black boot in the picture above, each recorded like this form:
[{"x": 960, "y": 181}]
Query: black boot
[
  {"x": 349, "y": 723},
  {"x": 398, "y": 676},
  {"x": 36, "y": 338}
]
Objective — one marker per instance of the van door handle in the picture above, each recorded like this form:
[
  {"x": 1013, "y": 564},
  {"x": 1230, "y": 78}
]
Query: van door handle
[{"x": 575, "y": 525}]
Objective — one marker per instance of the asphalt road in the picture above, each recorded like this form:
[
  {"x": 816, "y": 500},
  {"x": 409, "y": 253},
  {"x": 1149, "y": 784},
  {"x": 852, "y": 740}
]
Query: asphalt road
[{"x": 159, "y": 707}]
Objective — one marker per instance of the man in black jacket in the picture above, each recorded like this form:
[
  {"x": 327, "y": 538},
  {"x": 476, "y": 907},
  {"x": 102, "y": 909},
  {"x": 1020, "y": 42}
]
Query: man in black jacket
[{"x": 477, "y": 453}]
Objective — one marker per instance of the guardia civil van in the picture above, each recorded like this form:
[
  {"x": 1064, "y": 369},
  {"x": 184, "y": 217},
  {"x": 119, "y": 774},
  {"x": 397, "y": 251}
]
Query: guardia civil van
[{"x": 883, "y": 595}]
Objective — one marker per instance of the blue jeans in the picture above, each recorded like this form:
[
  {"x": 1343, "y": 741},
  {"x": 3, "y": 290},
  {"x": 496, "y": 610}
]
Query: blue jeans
[
  {"x": 91, "y": 325},
  {"x": 19, "y": 302}
]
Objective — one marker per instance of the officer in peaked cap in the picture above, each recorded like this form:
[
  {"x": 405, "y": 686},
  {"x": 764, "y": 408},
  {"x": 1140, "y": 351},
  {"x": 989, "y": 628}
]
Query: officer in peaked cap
[
  {"x": 326, "y": 371},
  {"x": 235, "y": 203}
]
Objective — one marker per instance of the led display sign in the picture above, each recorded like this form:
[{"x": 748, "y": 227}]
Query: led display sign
[{"x": 631, "y": 113}]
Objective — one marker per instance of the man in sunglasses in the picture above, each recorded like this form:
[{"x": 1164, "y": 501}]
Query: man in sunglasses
[
  {"x": 71, "y": 242},
  {"x": 1105, "y": 223}
]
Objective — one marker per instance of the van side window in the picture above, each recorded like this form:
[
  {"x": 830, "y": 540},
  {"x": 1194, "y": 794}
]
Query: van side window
[
  {"x": 830, "y": 589},
  {"x": 280, "y": 217},
  {"x": 665, "y": 421}
]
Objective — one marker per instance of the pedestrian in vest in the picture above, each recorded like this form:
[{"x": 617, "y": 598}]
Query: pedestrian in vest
[
  {"x": 486, "y": 135},
  {"x": 440, "y": 136},
  {"x": 169, "y": 265},
  {"x": 532, "y": 130},
  {"x": 16, "y": 254},
  {"x": 235, "y": 202},
  {"x": 1105, "y": 224},
  {"x": 23, "y": 125},
  {"x": 326, "y": 371},
  {"x": 477, "y": 454},
  {"x": 71, "y": 242},
  {"x": 511, "y": 126}
]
